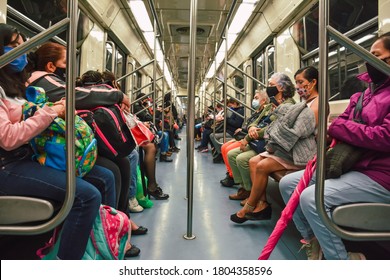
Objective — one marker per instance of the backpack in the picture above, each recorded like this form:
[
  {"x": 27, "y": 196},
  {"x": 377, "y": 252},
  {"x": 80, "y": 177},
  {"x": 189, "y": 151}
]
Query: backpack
[
  {"x": 49, "y": 147},
  {"x": 107, "y": 240},
  {"x": 113, "y": 137}
]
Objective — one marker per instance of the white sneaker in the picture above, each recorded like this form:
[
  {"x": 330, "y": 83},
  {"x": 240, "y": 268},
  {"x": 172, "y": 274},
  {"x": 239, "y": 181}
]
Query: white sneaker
[{"x": 134, "y": 207}]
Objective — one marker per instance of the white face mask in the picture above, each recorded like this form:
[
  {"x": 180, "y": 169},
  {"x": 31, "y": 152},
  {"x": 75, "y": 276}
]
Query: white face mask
[{"x": 255, "y": 104}]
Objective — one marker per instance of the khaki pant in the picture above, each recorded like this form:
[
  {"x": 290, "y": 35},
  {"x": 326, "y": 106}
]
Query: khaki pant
[{"x": 239, "y": 162}]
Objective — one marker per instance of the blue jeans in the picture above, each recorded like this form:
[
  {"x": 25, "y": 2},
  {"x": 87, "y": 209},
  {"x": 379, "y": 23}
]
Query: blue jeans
[
  {"x": 28, "y": 178},
  {"x": 206, "y": 137},
  {"x": 164, "y": 144},
  {"x": 134, "y": 160},
  {"x": 351, "y": 187}
]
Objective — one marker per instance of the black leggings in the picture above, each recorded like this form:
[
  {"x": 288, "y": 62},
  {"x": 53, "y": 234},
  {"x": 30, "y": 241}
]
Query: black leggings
[
  {"x": 149, "y": 165},
  {"x": 121, "y": 169}
]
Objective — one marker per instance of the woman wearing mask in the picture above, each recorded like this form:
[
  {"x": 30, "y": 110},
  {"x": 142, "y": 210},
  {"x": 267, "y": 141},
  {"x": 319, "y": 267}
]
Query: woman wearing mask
[
  {"x": 281, "y": 89},
  {"x": 260, "y": 102},
  {"x": 290, "y": 144},
  {"x": 20, "y": 175},
  {"x": 369, "y": 179},
  {"x": 48, "y": 63}
]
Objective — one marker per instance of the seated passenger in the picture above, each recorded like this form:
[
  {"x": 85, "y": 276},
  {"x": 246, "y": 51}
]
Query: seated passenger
[
  {"x": 20, "y": 175},
  {"x": 233, "y": 122},
  {"x": 369, "y": 179},
  {"x": 140, "y": 108},
  {"x": 208, "y": 127},
  {"x": 169, "y": 125},
  {"x": 290, "y": 144},
  {"x": 48, "y": 64},
  {"x": 260, "y": 102},
  {"x": 281, "y": 90}
]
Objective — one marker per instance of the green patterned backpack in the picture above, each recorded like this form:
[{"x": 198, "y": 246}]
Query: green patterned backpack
[{"x": 49, "y": 147}]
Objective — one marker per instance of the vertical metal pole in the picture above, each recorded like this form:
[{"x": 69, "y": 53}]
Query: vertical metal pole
[
  {"x": 70, "y": 101},
  {"x": 225, "y": 84},
  {"x": 323, "y": 99},
  {"x": 191, "y": 117},
  {"x": 154, "y": 73},
  {"x": 214, "y": 98}
]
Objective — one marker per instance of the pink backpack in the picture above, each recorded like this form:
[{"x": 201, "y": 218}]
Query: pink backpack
[{"x": 107, "y": 240}]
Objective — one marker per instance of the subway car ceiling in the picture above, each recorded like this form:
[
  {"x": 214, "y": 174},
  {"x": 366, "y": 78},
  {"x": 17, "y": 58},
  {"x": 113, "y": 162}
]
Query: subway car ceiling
[{"x": 248, "y": 26}]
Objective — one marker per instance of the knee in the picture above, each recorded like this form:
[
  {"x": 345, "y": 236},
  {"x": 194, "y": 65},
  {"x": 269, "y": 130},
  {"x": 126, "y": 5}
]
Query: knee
[
  {"x": 286, "y": 188},
  {"x": 307, "y": 200},
  {"x": 253, "y": 163},
  {"x": 262, "y": 167},
  {"x": 242, "y": 160}
]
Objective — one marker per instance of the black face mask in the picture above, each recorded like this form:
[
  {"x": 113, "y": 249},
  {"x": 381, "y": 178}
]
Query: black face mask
[
  {"x": 377, "y": 76},
  {"x": 61, "y": 73},
  {"x": 272, "y": 91}
]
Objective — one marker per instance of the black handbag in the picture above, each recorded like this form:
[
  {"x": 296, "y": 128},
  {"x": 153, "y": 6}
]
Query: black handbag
[
  {"x": 342, "y": 157},
  {"x": 257, "y": 145}
]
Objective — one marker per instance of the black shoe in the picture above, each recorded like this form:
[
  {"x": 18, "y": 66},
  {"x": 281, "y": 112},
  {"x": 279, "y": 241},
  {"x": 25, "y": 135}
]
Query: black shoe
[
  {"x": 158, "y": 194},
  {"x": 174, "y": 149},
  {"x": 177, "y": 138},
  {"x": 227, "y": 182},
  {"x": 132, "y": 252},
  {"x": 218, "y": 159},
  {"x": 264, "y": 214},
  {"x": 234, "y": 218},
  {"x": 139, "y": 231},
  {"x": 165, "y": 158}
]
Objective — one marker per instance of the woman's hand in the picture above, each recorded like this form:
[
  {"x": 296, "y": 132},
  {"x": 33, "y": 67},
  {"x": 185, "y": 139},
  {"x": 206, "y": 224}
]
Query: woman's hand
[
  {"x": 125, "y": 105},
  {"x": 252, "y": 132},
  {"x": 60, "y": 108},
  {"x": 243, "y": 144}
]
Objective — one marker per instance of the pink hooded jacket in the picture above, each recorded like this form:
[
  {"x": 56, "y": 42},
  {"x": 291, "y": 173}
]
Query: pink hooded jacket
[
  {"x": 373, "y": 136},
  {"x": 14, "y": 132}
]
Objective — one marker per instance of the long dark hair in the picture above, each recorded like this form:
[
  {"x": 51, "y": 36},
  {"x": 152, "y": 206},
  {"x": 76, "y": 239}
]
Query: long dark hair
[
  {"x": 310, "y": 73},
  {"x": 13, "y": 84}
]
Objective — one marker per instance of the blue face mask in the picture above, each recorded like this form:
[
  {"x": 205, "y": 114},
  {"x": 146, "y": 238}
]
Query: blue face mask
[
  {"x": 18, "y": 64},
  {"x": 255, "y": 104}
]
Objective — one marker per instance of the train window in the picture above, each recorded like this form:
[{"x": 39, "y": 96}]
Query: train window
[
  {"x": 116, "y": 61},
  {"x": 47, "y": 13},
  {"x": 344, "y": 15},
  {"x": 44, "y": 13},
  {"x": 264, "y": 64},
  {"x": 238, "y": 82}
]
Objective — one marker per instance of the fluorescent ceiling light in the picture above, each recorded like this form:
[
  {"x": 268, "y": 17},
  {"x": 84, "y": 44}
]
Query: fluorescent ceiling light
[
  {"x": 141, "y": 15},
  {"x": 241, "y": 17}
]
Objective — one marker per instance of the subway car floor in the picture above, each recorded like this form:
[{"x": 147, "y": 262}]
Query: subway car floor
[{"x": 216, "y": 237}]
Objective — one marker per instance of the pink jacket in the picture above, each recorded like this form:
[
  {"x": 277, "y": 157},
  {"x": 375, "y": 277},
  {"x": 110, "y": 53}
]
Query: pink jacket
[
  {"x": 373, "y": 136},
  {"x": 14, "y": 132}
]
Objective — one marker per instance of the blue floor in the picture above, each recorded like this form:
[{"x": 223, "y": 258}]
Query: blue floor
[{"x": 216, "y": 237}]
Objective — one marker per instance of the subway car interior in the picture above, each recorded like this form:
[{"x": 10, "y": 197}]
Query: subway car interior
[{"x": 192, "y": 56}]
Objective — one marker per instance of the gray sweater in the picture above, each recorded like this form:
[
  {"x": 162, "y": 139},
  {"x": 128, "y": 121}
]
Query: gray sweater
[{"x": 291, "y": 136}]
